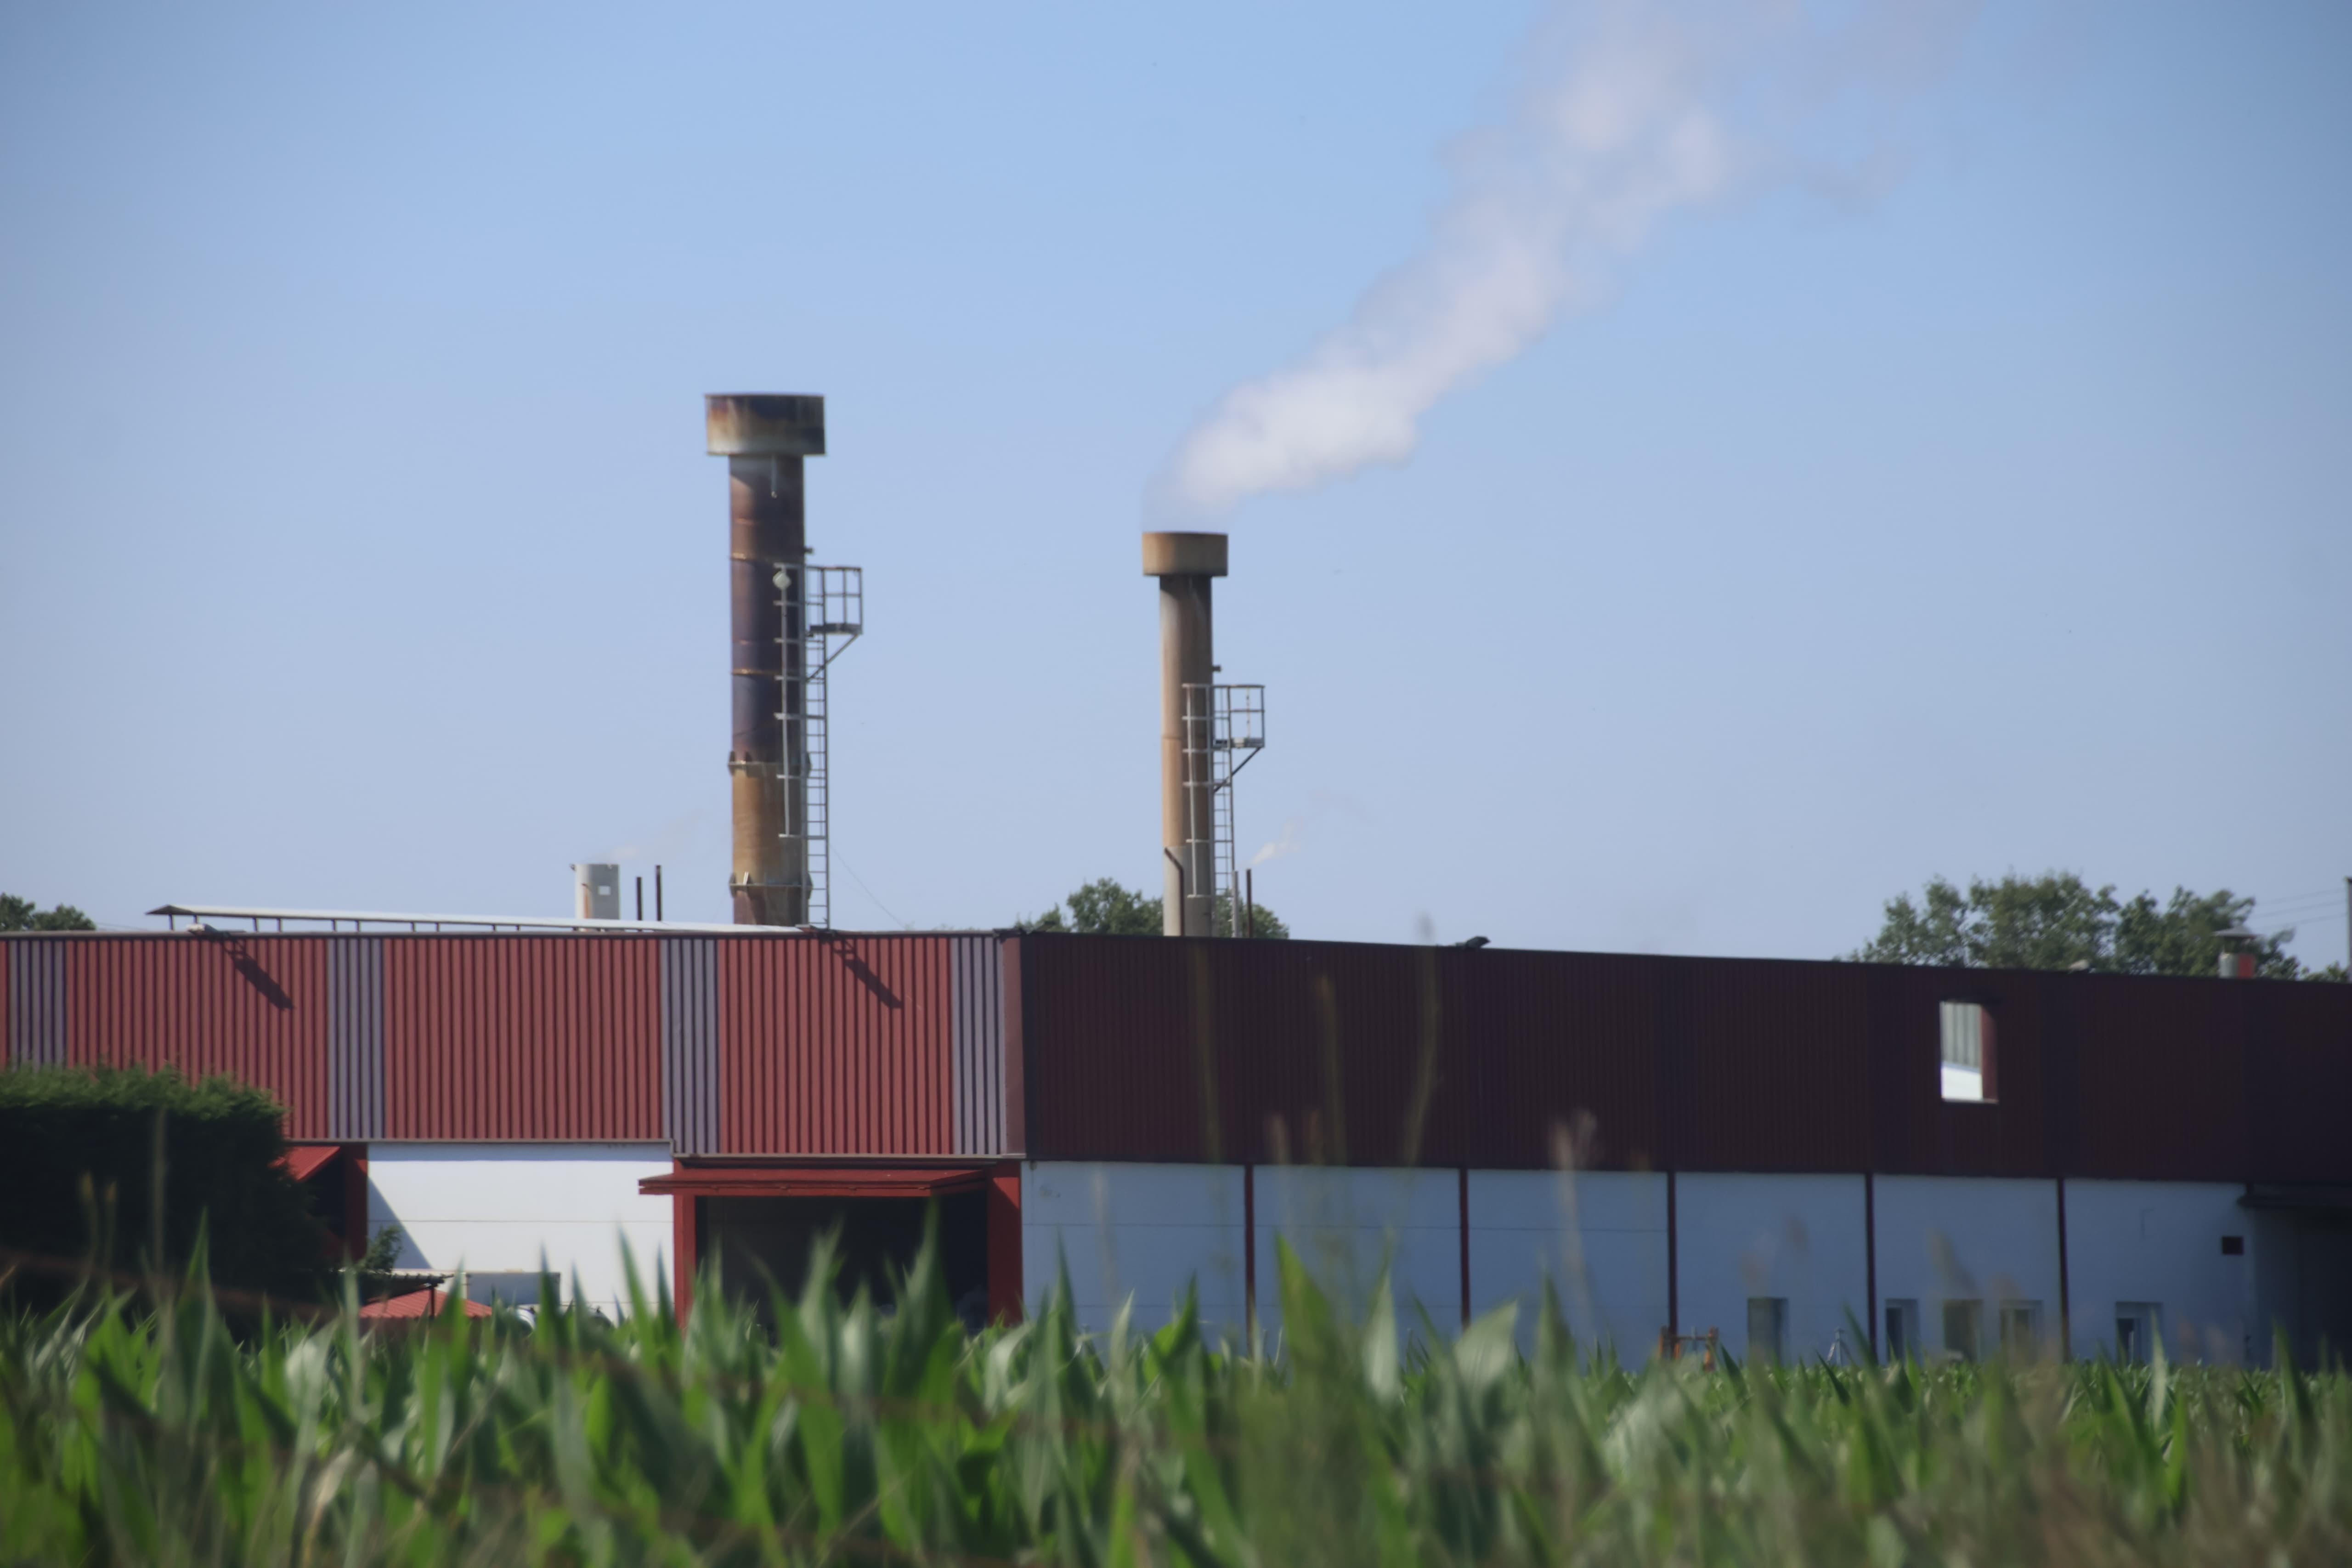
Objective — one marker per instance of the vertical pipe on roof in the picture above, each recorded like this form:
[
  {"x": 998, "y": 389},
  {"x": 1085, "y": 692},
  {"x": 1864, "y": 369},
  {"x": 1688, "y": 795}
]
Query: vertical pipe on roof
[
  {"x": 764, "y": 439},
  {"x": 1185, "y": 563}
]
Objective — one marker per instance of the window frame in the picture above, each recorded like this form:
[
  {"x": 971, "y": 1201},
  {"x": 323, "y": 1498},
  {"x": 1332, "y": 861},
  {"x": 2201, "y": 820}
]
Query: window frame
[
  {"x": 1903, "y": 1310},
  {"x": 1985, "y": 1045},
  {"x": 1970, "y": 1310},
  {"x": 2148, "y": 1317}
]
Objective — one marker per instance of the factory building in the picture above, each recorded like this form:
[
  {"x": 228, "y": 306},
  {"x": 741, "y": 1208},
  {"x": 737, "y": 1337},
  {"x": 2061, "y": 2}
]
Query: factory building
[
  {"x": 1804, "y": 1159},
  {"x": 1798, "y": 1155}
]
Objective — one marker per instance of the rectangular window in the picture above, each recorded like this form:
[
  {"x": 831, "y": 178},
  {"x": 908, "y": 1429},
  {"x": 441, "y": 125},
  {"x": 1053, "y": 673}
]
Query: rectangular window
[
  {"x": 2233, "y": 1247},
  {"x": 2138, "y": 1326},
  {"x": 2021, "y": 1330},
  {"x": 1901, "y": 1339},
  {"x": 1968, "y": 1051},
  {"x": 1768, "y": 1328},
  {"x": 1964, "y": 1329}
]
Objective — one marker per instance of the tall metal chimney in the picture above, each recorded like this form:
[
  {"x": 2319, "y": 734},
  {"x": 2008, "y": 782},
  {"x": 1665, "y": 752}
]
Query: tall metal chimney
[
  {"x": 764, "y": 436},
  {"x": 1184, "y": 563}
]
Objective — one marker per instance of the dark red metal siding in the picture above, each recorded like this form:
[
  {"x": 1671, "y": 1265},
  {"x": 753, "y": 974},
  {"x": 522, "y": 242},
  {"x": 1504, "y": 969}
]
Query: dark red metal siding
[
  {"x": 1338, "y": 1053},
  {"x": 254, "y": 1007},
  {"x": 1915, "y": 1131},
  {"x": 2299, "y": 1082},
  {"x": 2161, "y": 1079},
  {"x": 1765, "y": 1066},
  {"x": 835, "y": 1046},
  {"x": 1156, "y": 1050},
  {"x": 1540, "y": 1045},
  {"x": 522, "y": 1037},
  {"x": 1112, "y": 1054}
]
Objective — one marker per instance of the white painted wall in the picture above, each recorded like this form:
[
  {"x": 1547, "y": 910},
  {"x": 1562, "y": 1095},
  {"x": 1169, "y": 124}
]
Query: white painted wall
[
  {"x": 2161, "y": 1242},
  {"x": 1599, "y": 1235},
  {"x": 1344, "y": 1223},
  {"x": 1986, "y": 1238},
  {"x": 1144, "y": 1231},
  {"x": 1797, "y": 1237},
  {"x": 501, "y": 1211}
]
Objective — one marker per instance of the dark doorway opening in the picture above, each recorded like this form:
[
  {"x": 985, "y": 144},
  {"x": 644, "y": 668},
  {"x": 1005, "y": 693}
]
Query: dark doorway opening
[
  {"x": 2322, "y": 1288},
  {"x": 752, "y": 1241}
]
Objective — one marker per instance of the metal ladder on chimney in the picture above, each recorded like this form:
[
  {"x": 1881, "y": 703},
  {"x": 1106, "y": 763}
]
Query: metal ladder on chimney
[
  {"x": 1234, "y": 725},
  {"x": 832, "y": 605}
]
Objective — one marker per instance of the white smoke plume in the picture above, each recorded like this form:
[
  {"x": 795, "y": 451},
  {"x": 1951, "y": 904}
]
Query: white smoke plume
[
  {"x": 671, "y": 841},
  {"x": 1625, "y": 115},
  {"x": 1290, "y": 841},
  {"x": 1321, "y": 803}
]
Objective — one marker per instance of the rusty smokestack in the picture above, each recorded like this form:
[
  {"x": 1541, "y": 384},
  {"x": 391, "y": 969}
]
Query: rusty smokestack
[
  {"x": 764, "y": 436},
  {"x": 1185, "y": 563}
]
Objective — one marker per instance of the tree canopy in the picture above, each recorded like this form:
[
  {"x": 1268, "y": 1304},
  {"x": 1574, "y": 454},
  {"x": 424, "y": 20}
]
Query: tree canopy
[
  {"x": 2057, "y": 921},
  {"x": 23, "y": 914},
  {"x": 1103, "y": 908}
]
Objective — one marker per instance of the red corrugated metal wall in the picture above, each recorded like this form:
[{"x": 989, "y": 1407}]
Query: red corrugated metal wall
[
  {"x": 1152, "y": 1050},
  {"x": 2299, "y": 1087},
  {"x": 2160, "y": 1077},
  {"x": 1585, "y": 1045},
  {"x": 1115, "y": 1065},
  {"x": 1145, "y": 1049},
  {"x": 1914, "y": 1131},
  {"x": 1767, "y": 1065},
  {"x": 254, "y": 1007},
  {"x": 522, "y": 1037},
  {"x": 835, "y": 1046},
  {"x": 1334, "y": 1054}
]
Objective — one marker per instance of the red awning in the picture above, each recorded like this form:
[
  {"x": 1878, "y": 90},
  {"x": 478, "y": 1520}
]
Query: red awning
[
  {"x": 425, "y": 1303},
  {"x": 812, "y": 1182},
  {"x": 305, "y": 1160}
]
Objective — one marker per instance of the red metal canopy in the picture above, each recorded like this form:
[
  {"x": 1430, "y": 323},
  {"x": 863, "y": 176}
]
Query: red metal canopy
[
  {"x": 305, "y": 1160},
  {"x": 425, "y": 1303},
  {"x": 814, "y": 1181}
]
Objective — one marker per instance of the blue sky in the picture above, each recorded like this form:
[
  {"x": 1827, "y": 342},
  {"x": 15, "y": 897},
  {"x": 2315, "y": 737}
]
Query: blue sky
[{"x": 1961, "y": 489}]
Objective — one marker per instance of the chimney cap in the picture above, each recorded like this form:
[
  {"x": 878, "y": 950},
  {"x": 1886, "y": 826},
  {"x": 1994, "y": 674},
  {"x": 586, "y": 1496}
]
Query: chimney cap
[
  {"x": 764, "y": 425},
  {"x": 1183, "y": 554}
]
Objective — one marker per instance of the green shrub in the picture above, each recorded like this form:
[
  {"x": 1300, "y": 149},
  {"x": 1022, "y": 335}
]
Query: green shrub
[{"x": 78, "y": 1181}]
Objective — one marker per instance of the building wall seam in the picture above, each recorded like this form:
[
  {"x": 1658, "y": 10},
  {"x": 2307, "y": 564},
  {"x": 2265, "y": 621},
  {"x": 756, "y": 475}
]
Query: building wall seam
[
  {"x": 355, "y": 1037},
  {"x": 37, "y": 1003},
  {"x": 689, "y": 1025}
]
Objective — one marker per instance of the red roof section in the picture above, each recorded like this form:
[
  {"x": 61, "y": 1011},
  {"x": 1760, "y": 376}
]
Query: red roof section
[
  {"x": 305, "y": 1160},
  {"x": 425, "y": 1303}
]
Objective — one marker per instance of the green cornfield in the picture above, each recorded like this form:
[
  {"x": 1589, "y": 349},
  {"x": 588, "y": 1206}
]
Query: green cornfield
[{"x": 832, "y": 1432}]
